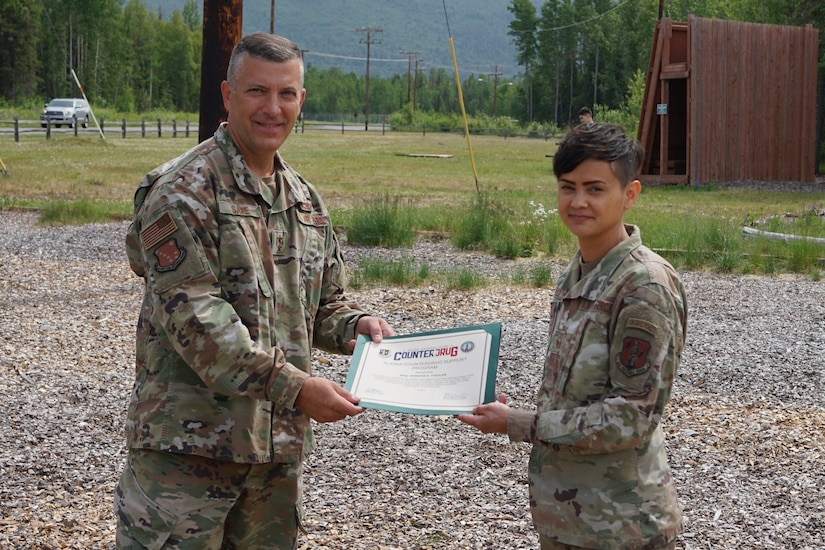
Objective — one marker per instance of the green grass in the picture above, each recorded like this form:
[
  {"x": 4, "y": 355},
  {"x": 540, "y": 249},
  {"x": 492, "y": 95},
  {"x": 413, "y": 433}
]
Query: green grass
[
  {"x": 58, "y": 212},
  {"x": 370, "y": 183},
  {"x": 386, "y": 221},
  {"x": 465, "y": 279},
  {"x": 408, "y": 272},
  {"x": 541, "y": 275}
]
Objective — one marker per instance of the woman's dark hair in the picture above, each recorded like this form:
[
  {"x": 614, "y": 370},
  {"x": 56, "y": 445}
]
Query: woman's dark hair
[{"x": 599, "y": 141}]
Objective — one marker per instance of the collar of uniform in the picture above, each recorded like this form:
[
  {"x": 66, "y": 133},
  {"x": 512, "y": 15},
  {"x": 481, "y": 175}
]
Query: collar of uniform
[
  {"x": 290, "y": 189},
  {"x": 592, "y": 285},
  {"x": 246, "y": 181}
]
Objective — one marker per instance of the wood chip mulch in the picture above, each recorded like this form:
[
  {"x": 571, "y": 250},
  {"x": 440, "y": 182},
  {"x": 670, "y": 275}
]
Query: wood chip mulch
[{"x": 745, "y": 427}]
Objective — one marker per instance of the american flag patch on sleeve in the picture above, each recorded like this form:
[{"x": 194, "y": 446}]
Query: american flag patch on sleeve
[{"x": 158, "y": 230}]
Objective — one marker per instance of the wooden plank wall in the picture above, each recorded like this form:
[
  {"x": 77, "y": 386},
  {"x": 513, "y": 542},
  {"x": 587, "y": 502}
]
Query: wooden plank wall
[
  {"x": 752, "y": 101},
  {"x": 646, "y": 132}
]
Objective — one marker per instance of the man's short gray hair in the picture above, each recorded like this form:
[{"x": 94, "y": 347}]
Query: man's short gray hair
[{"x": 269, "y": 47}]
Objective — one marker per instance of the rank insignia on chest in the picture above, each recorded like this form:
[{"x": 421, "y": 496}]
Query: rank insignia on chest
[
  {"x": 277, "y": 242},
  {"x": 169, "y": 255}
]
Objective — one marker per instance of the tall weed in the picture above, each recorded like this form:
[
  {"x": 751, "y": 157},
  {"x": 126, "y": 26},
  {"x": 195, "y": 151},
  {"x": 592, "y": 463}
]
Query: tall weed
[{"x": 382, "y": 222}]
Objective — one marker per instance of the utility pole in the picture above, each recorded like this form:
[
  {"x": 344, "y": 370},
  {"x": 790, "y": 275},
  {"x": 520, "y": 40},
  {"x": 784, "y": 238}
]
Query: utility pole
[
  {"x": 410, "y": 56},
  {"x": 272, "y": 18},
  {"x": 369, "y": 41},
  {"x": 415, "y": 83},
  {"x": 222, "y": 28},
  {"x": 495, "y": 74}
]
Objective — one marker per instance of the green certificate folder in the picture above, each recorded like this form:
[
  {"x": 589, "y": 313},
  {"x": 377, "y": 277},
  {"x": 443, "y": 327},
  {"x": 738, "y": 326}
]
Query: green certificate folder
[{"x": 441, "y": 372}]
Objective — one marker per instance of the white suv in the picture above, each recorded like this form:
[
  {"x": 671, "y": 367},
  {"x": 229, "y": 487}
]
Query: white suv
[{"x": 65, "y": 111}]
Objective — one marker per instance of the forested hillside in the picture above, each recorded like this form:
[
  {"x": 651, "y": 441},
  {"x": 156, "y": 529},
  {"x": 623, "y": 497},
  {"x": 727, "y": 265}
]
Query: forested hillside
[
  {"x": 532, "y": 62},
  {"x": 327, "y": 29}
]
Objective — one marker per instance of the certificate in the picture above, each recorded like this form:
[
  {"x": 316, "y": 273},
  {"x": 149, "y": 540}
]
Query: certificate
[{"x": 442, "y": 372}]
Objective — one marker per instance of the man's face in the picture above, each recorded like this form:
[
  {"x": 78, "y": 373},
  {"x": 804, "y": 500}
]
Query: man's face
[
  {"x": 263, "y": 105},
  {"x": 592, "y": 204}
]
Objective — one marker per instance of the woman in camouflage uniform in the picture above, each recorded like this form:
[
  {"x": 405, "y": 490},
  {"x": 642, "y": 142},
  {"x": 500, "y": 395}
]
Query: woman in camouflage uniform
[{"x": 598, "y": 472}]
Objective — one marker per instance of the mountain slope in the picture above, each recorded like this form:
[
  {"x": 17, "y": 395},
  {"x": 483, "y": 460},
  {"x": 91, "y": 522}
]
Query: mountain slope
[{"x": 327, "y": 30}]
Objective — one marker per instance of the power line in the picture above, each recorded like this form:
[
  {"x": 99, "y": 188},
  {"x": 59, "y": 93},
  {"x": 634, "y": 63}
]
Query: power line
[
  {"x": 585, "y": 22},
  {"x": 476, "y": 68},
  {"x": 353, "y": 57}
]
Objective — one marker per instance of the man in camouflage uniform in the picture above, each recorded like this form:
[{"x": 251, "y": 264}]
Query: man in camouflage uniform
[
  {"x": 598, "y": 472},
  {"x": 243, "y": 275}
]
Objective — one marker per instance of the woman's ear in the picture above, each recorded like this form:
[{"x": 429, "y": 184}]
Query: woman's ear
[{"x": 631, "y": 193}]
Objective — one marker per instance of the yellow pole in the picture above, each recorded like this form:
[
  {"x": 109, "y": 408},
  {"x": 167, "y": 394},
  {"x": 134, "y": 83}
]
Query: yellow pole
[{"x": 464, "y": 114}]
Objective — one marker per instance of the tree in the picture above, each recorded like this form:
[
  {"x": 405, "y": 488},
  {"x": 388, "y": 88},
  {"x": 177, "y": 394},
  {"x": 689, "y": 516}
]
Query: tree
[
  {"x": 523, "y": 29},
  {"x": 19, "y": 29},
  {"x": 191, "y": 16},
  {"x": 178, "y": 66}
]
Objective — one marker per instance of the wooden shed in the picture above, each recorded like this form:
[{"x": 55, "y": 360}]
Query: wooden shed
[{"x": 729, "y": 101}]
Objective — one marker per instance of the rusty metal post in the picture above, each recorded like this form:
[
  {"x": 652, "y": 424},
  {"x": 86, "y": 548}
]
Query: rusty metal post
[{"x": 222, "y": 28}]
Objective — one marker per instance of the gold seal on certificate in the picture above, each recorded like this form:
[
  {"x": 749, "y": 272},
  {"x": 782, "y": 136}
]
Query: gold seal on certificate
[{"x": 442, "y": 372}]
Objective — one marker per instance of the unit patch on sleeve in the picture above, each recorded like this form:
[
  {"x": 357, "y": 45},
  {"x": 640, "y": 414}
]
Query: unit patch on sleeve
[
  {"x": 639, "y": 347},
  {"x": 169, "y": 255},
  {"x": 634, "y": 356}
]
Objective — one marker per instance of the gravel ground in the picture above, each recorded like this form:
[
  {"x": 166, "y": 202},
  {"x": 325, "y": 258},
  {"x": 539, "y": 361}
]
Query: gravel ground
[{"x": 746, "y": 426}]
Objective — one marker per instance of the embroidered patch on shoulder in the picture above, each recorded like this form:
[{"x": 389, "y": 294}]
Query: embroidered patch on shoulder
[
  {"x": 634, "y": 356},
  {"x": 158, "y": 230},
  {"x": 169, "y": 255},
  {"x": 641, "y": 324}
]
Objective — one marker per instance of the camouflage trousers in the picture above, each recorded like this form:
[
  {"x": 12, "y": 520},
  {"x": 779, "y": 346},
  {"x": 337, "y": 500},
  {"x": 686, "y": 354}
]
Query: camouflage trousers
[
  {"x": 547, "y": 544},
  {"x": 167, "y": 500}
]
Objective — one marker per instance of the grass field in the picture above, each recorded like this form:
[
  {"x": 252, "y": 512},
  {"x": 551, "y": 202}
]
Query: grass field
[
  {"x": 351, "y": 169},
  {"x": 345, "y": 167}
]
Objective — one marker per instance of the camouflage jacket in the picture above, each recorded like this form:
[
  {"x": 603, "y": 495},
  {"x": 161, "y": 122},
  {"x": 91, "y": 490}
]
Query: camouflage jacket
[
  {"x": 599, "y": 476},
  {"x": 240, "y": 282}
]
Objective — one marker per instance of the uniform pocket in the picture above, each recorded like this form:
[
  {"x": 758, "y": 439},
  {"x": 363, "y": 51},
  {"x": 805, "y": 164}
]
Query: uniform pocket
[
  {"x": 142, "y": 520},
  {"x": 578, "y": 359}
]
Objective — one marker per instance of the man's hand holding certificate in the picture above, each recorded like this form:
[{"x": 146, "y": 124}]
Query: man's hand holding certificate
[{"x": 442, "y": 372}]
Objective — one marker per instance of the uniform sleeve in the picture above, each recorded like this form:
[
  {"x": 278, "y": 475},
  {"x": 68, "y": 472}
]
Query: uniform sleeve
[
  {"x": 337, "y": 316},
  {"x": 521, "y": 426},
  {"x": 646, "y": 341},
  {"x": 181, "y": 262}
]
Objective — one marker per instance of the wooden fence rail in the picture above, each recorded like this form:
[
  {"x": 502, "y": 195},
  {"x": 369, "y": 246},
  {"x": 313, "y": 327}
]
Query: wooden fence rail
[{"x": 143, "y": 127}]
